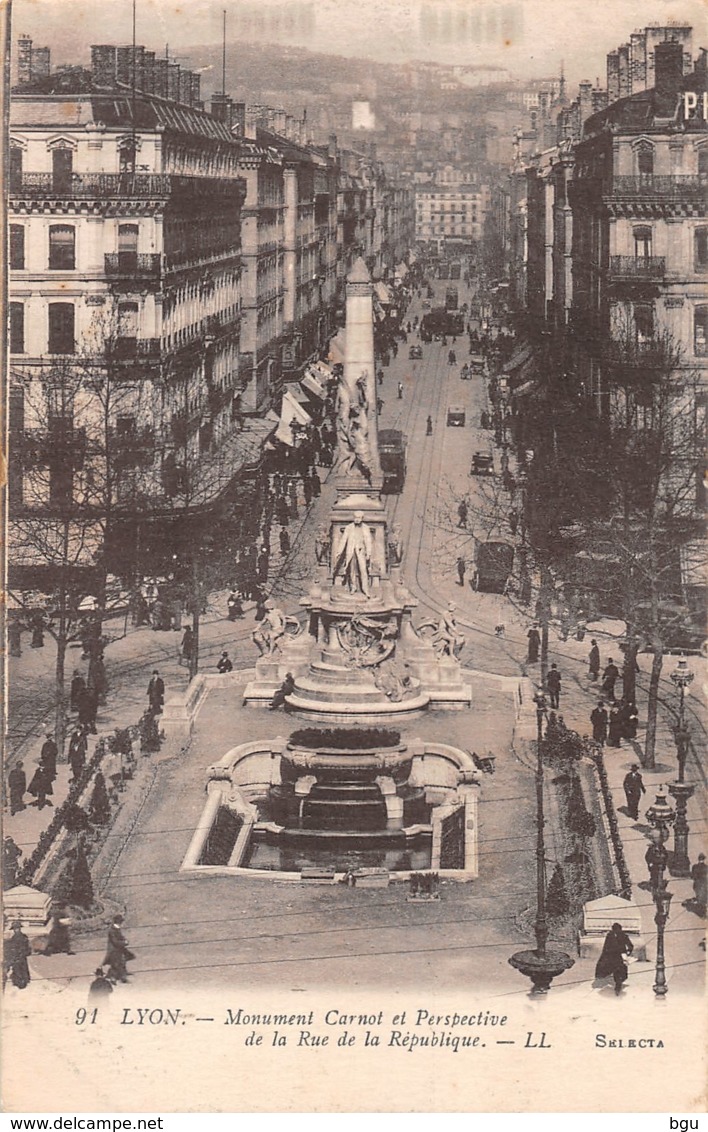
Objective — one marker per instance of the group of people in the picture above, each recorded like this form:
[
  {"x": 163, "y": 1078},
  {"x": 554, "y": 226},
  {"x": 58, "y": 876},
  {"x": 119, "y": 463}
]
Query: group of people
[{"x": 18, "y": 950}]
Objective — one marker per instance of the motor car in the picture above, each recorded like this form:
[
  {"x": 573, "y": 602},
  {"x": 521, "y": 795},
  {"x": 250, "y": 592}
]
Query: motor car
[
  {"x": 415, "y": 352},
  {"x": 392, "y": 448},
  {"x": 482, "y": 464},
  {"x": 493, "y": 566},
  {"x": 476, "y": 364},
  {"x": 456, "y": 417}
]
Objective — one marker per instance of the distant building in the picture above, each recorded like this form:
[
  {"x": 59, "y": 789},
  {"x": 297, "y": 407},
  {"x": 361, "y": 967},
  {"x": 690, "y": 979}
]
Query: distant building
[{"x": 363, "y": 117}]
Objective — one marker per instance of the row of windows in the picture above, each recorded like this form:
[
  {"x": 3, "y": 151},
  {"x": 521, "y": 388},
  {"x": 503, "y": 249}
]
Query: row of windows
[
  {"x": 62, "y": 245},
  {"x": 643, "y": 241},
  {"x": 61, "y": 336},
  {"x": 644, "y": 159}
]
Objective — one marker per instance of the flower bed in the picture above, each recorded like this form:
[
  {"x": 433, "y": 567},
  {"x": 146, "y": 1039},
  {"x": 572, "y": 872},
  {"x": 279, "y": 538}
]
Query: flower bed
[{"x": 344, "y": 738}]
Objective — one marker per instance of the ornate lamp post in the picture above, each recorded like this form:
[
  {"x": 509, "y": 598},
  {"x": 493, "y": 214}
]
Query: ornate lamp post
[
  {"x": 540, "y": 965},
  {"x": 680, "y": 790},
  {"x": 662, "y": 899},
  {"x": 660, "y": 815}
]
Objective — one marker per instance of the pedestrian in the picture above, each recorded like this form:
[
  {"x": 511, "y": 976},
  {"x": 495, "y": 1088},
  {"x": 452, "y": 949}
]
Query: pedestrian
[
  {"x": 234, "y": 606},
  {"x": 40, "y": 787},
  {"x": 429, "y": 426},
  {"x": 307, "y": 492},
  {"x": 17, "y": 784},
  {"x": 461, "y": 567},
  {"x": 379, "y": 405},
  {"x": 400, "y": 391},
  {"x": 78, "y": 686},
  {"x": 117, "y": 952},
  {"x": 630, "y": 721},
  {"x": 699, "y": 876},
  {"x": 633, "y": 789},
  {"x": 88, "y": 708},
  {"x": 224, "y": 664},
  {"x": 534, "y": 639},
  {"x": 594, "y": 661},
  {"x": 565, "y": 624},
  {"x": 614, "y": 731},
  {"x": 17, "y": 951},
  {"x": 284, "y": 542},
  {"x": 553, "y": 683},
  {"x": 513, "y": 520},
  {"x": 59, "y": 939},
  {"x": 380, "y": 376},
  {"x": 609, "y": 679},
  {"x": 78, "y": 744},
  {"x": 657, "y": 859},
  {"x": 37, "y": 641},
  {"x": 100, "y": 988},
  {"x": 48, "y": 755},
  {"x": 462, "y": 513},
  {"x": 11, "y": 854},
  {"x": 611, "y": 962},
  {"x": 156, "y": 693},
  {"x": 599, "y": 719},
  {"x": 285, "y": 689},
  {"x": 316, "y": 484},
  {"x": 187, "y": 646}
]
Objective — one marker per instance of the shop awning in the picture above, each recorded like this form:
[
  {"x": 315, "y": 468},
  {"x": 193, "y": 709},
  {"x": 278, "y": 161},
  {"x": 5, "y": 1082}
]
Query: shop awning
[
  {"x": 518, "y": 358},
  {"x": 312, "y": 383},
  {"x": 291, "y": 414},
  {"x": 299, "y": 394},
  {"x": 382, "y": 293}
]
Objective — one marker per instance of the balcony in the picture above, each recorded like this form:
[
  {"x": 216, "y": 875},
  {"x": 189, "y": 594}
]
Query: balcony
[
  {"x": 677, "y": 187},
  {"x": 127, "y": 349},
  {"x": 107, "y": 186},
  {"x": 129, "y": 266},
  {"x": 637, "y": 267}
]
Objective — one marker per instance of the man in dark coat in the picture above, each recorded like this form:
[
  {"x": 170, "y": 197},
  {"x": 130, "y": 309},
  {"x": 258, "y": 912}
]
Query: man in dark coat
[
  {"x": 48, "y": 756},
  {"x": 78, "y": 686},
  {"x": 615, "y": 728},
  {"x": 17, "y": 783},
  {"x": 224, "y": 664},
  {"x": 598, "y": 718},
  {"x": 17, "y": 952},
  {"x": 11, "y": 854},
  {"x": 611, "y": 962},
  {"x": 41, "y": 786},
  {"x": 285, "y": 689},
  {"x": 100, "y": 988},
  {"x": 117, "y": 952},
  {"x": 534, "y": 639},
  {"x": 461, "y": 567},
  {"x": 594, "y": 661},
  {"x": 633, "y": 789},
  {"x": 699, "y": 876},
  {"x": 77, "y": 751},
  {"x": 156, "y": 692},
  {"x": 657, "y": 859},
  {"x": 88, "y": 708},
  {"x": 553, "y": 683},
  {"x": 609, "y": 679},
  {"x": 316, "y": 484}
]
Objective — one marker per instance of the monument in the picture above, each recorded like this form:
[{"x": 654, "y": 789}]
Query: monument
[{"x": 362, "y": 659}]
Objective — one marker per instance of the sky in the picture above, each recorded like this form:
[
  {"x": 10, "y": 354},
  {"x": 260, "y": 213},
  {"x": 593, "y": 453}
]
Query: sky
[{"x": 529, "y": 38}]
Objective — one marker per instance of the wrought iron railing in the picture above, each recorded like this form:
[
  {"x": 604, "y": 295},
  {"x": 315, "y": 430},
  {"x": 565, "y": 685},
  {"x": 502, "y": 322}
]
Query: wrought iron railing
[
  {"x": 138, "y": 264},
  {"x": 637, "y": 267}
]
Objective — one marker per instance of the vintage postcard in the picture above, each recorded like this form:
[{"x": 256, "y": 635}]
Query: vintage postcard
[{"x": 355, "y": 619}]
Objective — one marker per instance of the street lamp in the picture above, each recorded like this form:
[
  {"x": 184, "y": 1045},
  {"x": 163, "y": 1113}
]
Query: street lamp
[
  {"x": 682, "y": 678},
  {"x": 662, "y": 899},
  {"x": 660, "y": 815},
  {"x": 540, "y": 965}
]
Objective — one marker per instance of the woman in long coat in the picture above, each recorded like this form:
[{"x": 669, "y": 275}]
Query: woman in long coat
[
  {"x": 611, "y": 962},
  {"x": 17, "y": 951},
  {"x": 117, "y": 952},
  {"x": 59, "y": 940}
]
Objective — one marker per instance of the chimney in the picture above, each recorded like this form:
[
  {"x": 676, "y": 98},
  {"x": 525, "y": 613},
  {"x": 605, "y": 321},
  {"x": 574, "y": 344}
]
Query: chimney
[
  {"x": 24, "y": 59},
  {"x": 159, "y": 71},
  {"x": 668, "y": 74},
  {"x": 585, "y": 99},
  {"x": 125, "y": 61},
  {"x": 599, "y": 100},
  {"x": 149, "y": 72},
  {"x": 185, "y": 88},
  {"x": 103, "y": 65},
  {"x": 332, "y": 145},
  {"x": 40, "y": 62},
  {"x": 196, "y": 94},
  {"x": 238, "y": 119},
  {"x": 222, "y": 108},
  {"x": 173, "y": 71}
]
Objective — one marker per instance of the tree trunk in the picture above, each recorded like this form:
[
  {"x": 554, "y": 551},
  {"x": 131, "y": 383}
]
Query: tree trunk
[
  {"x": 196, "y": 617},
  {"x": 629, "y": 670},
  {"x": 652, "y": 706}
]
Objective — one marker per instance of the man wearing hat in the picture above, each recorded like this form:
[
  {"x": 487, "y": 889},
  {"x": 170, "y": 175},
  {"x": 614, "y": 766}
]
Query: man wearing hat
[
  {"x": 633, "y": 789},
  {"x": 599, "y": 719},
  {"x": 224, "y": 664},
  {"x": 48, "y": 756},
  {"x": 17, "y": 783},
  {"x": 17, "y": 951},
  {"x": 100, "y": 988},
  {"x": 699, "y": 876},
  {"x": 156, "y": 692}
]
